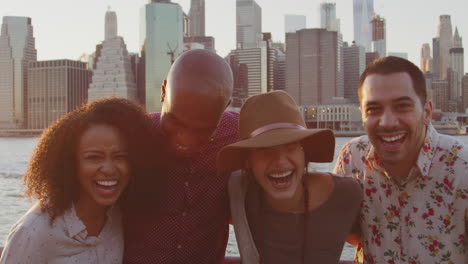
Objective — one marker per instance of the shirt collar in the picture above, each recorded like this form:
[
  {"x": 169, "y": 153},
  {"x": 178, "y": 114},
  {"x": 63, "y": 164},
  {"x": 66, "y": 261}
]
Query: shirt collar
[
  {"x": 76, "y": 227},
  {"x": 423, "y": 163}
]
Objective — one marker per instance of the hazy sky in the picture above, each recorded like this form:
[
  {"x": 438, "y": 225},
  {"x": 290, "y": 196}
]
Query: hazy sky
[{"x": 69, "y": 28}]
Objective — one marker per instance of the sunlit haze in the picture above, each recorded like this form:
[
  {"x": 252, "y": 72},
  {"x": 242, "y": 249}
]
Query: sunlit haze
[{"x": 65, "y": 29}]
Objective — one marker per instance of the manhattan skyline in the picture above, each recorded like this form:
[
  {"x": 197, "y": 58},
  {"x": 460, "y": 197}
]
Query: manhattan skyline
[{"x": 66, "y": 29}]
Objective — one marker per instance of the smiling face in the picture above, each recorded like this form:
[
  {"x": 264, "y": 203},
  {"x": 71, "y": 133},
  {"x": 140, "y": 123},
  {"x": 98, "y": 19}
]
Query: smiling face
[
  {"x": 278, "y": 170},
  {"x": 103, "y": 167},
  {"x": 394, "y": 117}
]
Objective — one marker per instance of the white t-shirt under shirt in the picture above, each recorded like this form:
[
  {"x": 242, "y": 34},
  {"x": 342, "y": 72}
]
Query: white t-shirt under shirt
[{"x": 33, "y": 240}]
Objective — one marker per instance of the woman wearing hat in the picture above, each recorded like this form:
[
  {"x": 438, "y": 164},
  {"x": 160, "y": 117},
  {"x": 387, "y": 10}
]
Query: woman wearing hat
[{"x": 281, "y": 212}]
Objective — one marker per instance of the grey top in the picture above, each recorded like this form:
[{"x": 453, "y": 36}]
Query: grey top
[{"x": 279, "y": 236}]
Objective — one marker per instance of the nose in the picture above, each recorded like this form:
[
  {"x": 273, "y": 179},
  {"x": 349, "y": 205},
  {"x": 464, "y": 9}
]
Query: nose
[
  {"x": 108, "y": 167},
  {"x": 388, "y": 119}
]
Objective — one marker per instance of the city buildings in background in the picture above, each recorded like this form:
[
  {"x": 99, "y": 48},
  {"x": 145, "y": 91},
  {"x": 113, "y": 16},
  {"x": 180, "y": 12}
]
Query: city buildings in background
[
  {"x": 465, "y": 93},
  {"x": 379, "y": 36},
  {"x": 328, "y": 18},
  {"x": 197, "y": 18},
  {"x": 354, "y": 64},
  {"x": 248, "y": 23},
  {"x": 162, "y": 31},
  {"x": 113, "y": 75},
  {"x": 426, "y": 58},
  {"x": 402, "y": 55},
  {"x": 293, "y": 23},
  {"x": 363, "y": 11},
  {"x": 55, "y": 88},
  {"x": 312, "y": 80},
  {"x": 17, "y": 49}
]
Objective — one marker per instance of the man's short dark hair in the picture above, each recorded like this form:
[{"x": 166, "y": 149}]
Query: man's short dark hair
[{"x": 391, "y": 64}]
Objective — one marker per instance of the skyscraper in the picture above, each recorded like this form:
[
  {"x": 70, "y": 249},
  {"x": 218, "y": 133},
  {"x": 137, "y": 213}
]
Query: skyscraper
[
  {"x": 426, "y": 59},
  {"x": 328, "y": 17},
  {"x": 379, "y": 39},
  {"x": 55, "y": 88},
  {"x": 110, "y": 26},
  {"x": 113, "y": 75},
  {"x": 456, "y": 67},
  {"x": 17, "y": 49},
  {"x": 293, "y": 23},
  {"x": 354, "y": 60},
  {"x": 162, "y": 29},
  {"x": 363, "y": 11},
  {"x": 314, "y": 79},
  {"x": 465, "y": 93},
  {"x": 197, "y": 18},
  {"x": 248, "y": 23},
  {"x": 445, "y": 44}
]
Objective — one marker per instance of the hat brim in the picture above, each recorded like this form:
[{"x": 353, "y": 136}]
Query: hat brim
[{"x": 318, "y": 144}]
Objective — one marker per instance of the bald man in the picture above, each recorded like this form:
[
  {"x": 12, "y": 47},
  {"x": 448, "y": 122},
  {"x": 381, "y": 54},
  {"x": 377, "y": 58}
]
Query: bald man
[{"x": 192, "y": 226}]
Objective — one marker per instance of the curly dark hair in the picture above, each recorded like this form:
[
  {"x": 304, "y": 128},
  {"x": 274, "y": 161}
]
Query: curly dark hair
[{"x": 51, "y": 176}]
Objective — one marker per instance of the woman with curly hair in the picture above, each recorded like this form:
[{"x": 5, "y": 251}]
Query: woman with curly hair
[{"x": 83, "y": 165}]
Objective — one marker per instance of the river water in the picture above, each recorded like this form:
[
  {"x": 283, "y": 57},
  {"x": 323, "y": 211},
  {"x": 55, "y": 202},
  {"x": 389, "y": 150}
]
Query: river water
[{"x": 15, "y": 154}]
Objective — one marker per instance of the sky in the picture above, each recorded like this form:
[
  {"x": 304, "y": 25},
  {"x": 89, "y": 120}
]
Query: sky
[{"x": 66, "y": 29}]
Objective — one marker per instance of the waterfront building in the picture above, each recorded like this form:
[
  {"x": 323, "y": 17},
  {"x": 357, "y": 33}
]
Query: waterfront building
[
  {"x": 162, "y": 29},
  {"x": 465, "y": 93},
  {"x": 456, "y": 67},
  {"x": 379, "y": 36},
  {"x": 354, "y": 61},
  {"x": 17, "y": 49},
  {"x": 314, "y": 79},
  {"x": 293, "y": 23},
  {"x": 436, "y": 57},
  {"x": 197, "y": 18},
  {"x": 363, "y": 11},
  {"x": 426, "y": 59},
  {"x": 328, "y": 18},
  {"x": 113, "y": 75},
  {"x": 440, "y": 95},
  {"x": 248, "y": 23},
  {"x": 55, "y": 87},
  {"x": 338, "y": 117},
  {"x": 253, "y": 69}
]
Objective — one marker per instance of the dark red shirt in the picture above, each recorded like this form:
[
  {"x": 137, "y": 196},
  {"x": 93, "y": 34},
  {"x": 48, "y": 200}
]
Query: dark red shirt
[{"x": 193, "y": 226}]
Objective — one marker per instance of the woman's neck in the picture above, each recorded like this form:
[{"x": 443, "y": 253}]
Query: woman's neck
[
  {"x": 295, "y": 204},
  {"x": 93, "y": 216}
]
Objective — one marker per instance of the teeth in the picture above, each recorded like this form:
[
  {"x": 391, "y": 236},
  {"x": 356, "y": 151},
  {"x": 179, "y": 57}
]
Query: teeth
[
  {"x": 391, "y": 139},
  {"x": 181, "y": 147},
  {"x": 280, "y": 175},
  {"x": 107, "y": 183}
]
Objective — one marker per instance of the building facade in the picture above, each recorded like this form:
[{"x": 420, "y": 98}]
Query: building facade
[
  {"x": 444, "y": 34},
  {"x": 440, "y": 95},
  {"x": 465, "y": 93},
  {"x": 363, "y": 11},
  {"x": 162, "y": 31},
  {"x": 354, "y": 61},
  {"x": 456, "y": 67},
  {"x": 314, "y": 65},
  {"x": 248, "y": 23},
  {"x": 55, "y": 88},
  {"x": 17, "y": 49}
]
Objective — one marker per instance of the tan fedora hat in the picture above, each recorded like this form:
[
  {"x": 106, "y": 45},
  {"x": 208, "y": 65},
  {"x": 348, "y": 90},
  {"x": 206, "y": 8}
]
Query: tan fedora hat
[{"x": 273, "y": 119}]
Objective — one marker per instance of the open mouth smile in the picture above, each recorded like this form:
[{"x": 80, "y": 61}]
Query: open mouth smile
[{"x": 281, "y": 180}]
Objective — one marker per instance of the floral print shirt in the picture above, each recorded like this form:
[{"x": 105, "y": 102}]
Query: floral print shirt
[{"x": 423, "y": 219}]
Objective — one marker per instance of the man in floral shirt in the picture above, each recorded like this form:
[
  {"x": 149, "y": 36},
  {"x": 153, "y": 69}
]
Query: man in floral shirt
[{"x": 415, "y": 180}]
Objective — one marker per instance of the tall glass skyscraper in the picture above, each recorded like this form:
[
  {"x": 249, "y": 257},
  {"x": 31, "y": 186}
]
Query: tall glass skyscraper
[
  {"x": 162, "y": 31},
  {"x": 328, "y": 17},
  {"x": 17, "y": 49},
  {"x": 248, "y": 23},
  {"x": 363, "y": 11},
  {"x": 197, "y": 18}
]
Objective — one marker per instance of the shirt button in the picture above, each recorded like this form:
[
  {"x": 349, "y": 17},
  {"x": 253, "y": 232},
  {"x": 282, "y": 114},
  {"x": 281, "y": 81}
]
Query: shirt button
[
  {"x": 184, "y": 214},
  {"x": 186, "y": 184},
  {"x": 179, "y": 246}
]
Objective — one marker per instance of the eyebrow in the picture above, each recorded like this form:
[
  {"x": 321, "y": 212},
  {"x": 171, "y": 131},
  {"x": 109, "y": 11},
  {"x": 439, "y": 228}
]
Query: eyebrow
[{"x": 399, "y": 99}]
